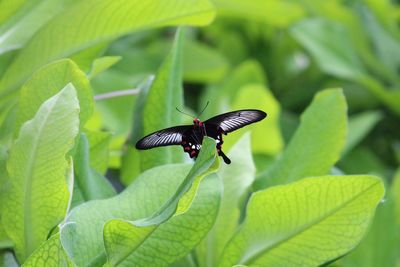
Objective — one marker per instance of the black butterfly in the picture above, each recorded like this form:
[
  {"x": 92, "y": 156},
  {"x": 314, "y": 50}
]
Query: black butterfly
[{"x": 190, "y": 137}]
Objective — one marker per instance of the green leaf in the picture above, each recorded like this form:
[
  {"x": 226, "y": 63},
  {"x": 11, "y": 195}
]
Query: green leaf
[
  {"x": 94, "y": 21},
  {"x": 50, "y": 254},
  {"x": 8, "y": 9},
  {"x": 38, "y": 196},
  {"x": 150, "y": 199},
  {"x": 310, "y": 221},
  {"x": 206, "y": 163},
  {"x": 99, "y": 142},
  {"x": 48, "y": 81},
  {"x": 317, "y": 143},
  {"x": 359, "y": 126},
  {"x": 30, "y": 17},
  {"x": 237, "y": 179},
  {"x": 277, "y": 13},
  {"x": 164, "y": 95},
  {"x": 330, "y": 44},
  {"x": 266, "y": 134},
  {"x": 378, "y": 249},
  {"x": 91, "y": 184},
  {"x": 101, "y": 64},
  {"x": 129, "y": 245}
]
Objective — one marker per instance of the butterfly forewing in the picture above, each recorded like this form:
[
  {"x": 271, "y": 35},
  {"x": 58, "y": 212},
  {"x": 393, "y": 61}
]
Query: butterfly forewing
[
  {"x": 166, "y": 137},
  {"x": 234, "y": 120}
]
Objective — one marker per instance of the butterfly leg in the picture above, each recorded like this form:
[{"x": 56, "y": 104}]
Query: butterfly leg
[{"x": 225, "y": 158}]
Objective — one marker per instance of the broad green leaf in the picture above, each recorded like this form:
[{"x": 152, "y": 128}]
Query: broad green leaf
[
  {"x": 311, "y": 221},
  {"x": 38, "y": 196},
  {"x": 266, "y": 134},
  {"x": 129, "y": 245},
  {"x": 359, "y": 126},
  {"x": 381, "y": 245},
  {"x": 48, "y": 81},
  {"x": 164, "y": 95},
  {"x": 99, "y": 142},
  {"x": 91, "y": 184},
  {"x": 277, "y": 13},
  {"x": 317, "y": 143},
  {"x": 237, "y": 179},
  {"x": 49, "y": 254},
  {"x": 101, "y": 64},
  {"x": 205, "y": 164},
  {"x": 150, "y": 199},
  {"x": 30, "y": 17},
  {"x": 86, "y": 23},
  {"x": 9, "y": 8},
  {"x": 330, "y": 44}
]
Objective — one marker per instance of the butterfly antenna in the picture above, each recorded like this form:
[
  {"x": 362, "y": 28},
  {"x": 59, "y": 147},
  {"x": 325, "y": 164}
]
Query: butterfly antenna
[
  {"x": 208, "y": 102},
  {"x": 184, "y": 113}
]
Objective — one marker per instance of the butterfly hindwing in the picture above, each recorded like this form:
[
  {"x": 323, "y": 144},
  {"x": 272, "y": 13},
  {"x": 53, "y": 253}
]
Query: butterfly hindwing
[
  {"x": 165, "y": 137},
  {"x": 234, "y": 120}
]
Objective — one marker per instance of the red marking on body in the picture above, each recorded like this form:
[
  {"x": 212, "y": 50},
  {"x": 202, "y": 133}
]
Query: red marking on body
[
  {"x": 186, "y": 148},
  {"x": 193, "y": 153},
  {"x": 197, "y": 122}
]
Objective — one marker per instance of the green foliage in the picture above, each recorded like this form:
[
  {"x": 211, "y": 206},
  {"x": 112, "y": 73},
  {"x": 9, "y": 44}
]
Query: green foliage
[
  {"x": 38, "y": 196},
  {"x": 317, "y": 143},
  {"x": 82, "y": 81},
  {"x": 305, "y": 216},
  {"x": 81, "y": 234},
  {"x": 90, "y": 22},
  {"x": 48, "y": 81}
]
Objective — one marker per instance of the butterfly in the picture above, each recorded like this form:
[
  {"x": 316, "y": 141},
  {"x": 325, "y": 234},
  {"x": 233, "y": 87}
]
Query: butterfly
[{"x": 190, "y": 137}]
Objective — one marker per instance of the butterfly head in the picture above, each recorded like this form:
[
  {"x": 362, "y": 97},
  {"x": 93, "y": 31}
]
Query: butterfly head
[{"x": 197, "y": 122}]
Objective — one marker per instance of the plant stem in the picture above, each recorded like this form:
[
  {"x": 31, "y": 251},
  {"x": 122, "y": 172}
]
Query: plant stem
[{"x": 126, "y": 92}]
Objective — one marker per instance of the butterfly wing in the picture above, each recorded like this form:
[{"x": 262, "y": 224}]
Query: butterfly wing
[
  {"x": 234, "y": 120},
  {"x": 165, "y": 137}
]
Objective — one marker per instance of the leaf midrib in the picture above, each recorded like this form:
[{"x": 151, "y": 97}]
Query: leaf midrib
[
  {"x": 306, "y": 227},
  {"x": 28, "y": 185}
]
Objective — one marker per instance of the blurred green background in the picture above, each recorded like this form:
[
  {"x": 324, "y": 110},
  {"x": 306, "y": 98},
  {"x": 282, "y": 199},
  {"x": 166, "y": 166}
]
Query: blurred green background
[{"x": 275, "y": 55}]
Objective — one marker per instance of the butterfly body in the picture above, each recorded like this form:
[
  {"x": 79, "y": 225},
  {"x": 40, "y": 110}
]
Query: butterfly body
[{"x": 190, "y": 137}]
